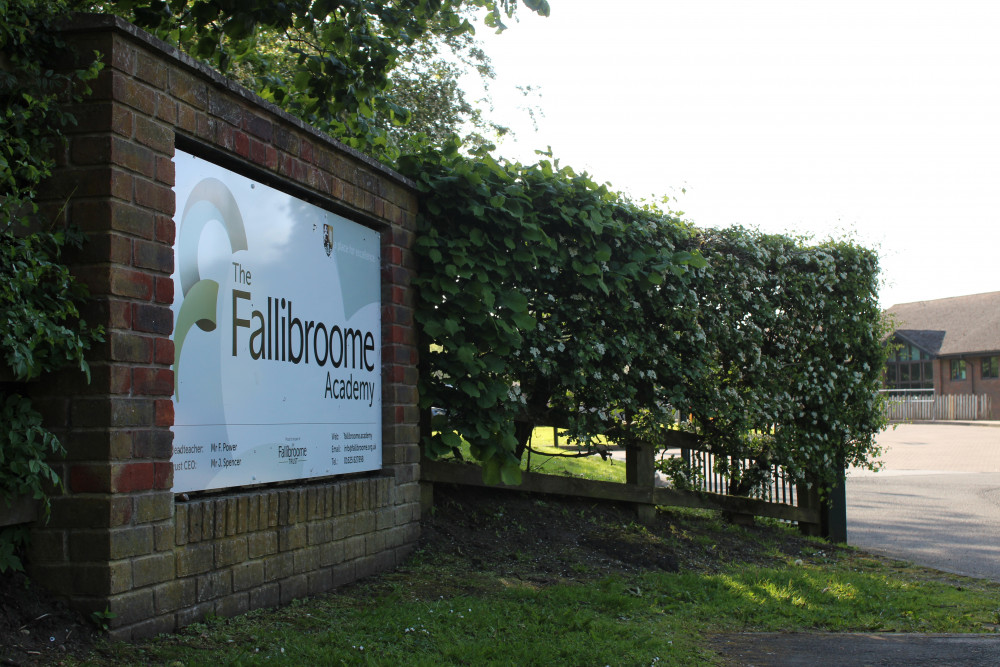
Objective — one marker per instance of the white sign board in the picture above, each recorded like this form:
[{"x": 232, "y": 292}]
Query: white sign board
[{"x": 277, "y": 335}]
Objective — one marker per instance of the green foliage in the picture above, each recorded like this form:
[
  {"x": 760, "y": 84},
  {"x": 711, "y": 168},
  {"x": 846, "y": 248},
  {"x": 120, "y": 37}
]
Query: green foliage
[
  {"x": 326, "y": 62},
  {"x": 25, "y": 445},
  {"x": 797, "y": 357},
  {"x": 31, "y": 94},
  {"x": 13, "y": 539},
  {"x": 40, "y": 326},
  {"x": 541, "y": 293},
  {"x": 680, "y": 472},
  {"x": 41, "y": 329},
  {"x": 547, "y": 299},
  {"x": 102, "y": 619},
  {"x": 427, "y": 83}
]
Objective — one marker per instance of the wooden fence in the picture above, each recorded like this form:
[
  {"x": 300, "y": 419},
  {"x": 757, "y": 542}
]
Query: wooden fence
[
  {"x": 932, "y": 407},
  {"x": 777, "y": 488},
  {"x": 783, "y": 501}
]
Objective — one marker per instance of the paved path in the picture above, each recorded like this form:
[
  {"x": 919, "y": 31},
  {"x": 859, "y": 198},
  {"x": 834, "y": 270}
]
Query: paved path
[
  {"x": 800, "y": 649},
  {"x": 937, "y": 500}
]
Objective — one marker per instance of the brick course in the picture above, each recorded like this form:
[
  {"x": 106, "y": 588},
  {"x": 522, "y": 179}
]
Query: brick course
[{"x": 119, "y": 538}]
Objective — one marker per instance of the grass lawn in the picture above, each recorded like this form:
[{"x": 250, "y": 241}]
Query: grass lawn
[
  {"x": 545, "y": 458},
  {"x": 513, "y": 579}
]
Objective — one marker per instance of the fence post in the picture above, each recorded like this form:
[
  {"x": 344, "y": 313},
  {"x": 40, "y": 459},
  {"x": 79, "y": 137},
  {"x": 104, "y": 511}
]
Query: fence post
[
  {"x": 808, "y": 498},
  {"x": 834, "y": 510},
  {"x": 426, "y": 488},
  {"x": 640, "y": 471}
]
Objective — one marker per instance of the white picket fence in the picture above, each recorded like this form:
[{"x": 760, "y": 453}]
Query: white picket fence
[{"x": 931, "y": 407}]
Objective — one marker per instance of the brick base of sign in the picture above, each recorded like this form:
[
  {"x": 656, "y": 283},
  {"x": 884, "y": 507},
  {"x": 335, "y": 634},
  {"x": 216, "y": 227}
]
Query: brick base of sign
[{"x": 119, "y": 538}]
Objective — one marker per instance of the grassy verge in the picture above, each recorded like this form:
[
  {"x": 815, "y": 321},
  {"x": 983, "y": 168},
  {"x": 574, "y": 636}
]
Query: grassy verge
[
  {"x": 549, "y": 458},
  {"x": 638, "y": 620},
  {"x": 516, "y": 580}
]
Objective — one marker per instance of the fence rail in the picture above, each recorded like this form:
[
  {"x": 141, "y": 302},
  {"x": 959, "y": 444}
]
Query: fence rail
[
  {"x": 532, "y": 482},
  {"x": 780, "y": 498},
  {"x": 931, "y": 407}
]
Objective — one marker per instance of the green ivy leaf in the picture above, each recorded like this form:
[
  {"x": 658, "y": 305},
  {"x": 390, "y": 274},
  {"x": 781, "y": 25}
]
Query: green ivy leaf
[
  {"x": 510, "y": 474},
  {"x": 491, "y": 472},
  {"x": 524, "y": 321}
]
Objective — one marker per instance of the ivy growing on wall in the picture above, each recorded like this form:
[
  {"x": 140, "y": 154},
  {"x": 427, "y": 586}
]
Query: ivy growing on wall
[{"x": 41, "y": 330}]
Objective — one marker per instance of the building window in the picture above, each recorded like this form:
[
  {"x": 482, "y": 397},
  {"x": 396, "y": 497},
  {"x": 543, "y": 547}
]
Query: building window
[
  {"x": 991, "y": 367},
  {"x": 958, "y": 369},
  {"x": 909, "y": 367}
]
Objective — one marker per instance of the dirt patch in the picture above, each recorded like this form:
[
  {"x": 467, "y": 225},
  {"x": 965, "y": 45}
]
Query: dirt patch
[
  {"x": 527, "y": 535},
  {"x": 35, "y": 628}
]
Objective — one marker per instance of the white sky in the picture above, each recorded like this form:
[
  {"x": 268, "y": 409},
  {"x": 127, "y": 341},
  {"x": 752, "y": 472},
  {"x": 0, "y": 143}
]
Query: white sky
[{"x": 880, "y": 119}]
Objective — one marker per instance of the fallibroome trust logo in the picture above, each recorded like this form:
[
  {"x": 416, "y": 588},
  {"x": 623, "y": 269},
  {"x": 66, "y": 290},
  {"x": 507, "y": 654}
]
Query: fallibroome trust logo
[{"x": 210, "y": 200}]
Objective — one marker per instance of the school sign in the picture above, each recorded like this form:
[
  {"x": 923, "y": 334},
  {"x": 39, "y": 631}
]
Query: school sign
[{"x": 277, "y": 335}]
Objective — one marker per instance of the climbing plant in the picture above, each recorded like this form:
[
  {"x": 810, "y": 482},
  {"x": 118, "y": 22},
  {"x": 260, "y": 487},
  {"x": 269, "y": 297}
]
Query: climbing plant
[{"x": 41, "y": 330}]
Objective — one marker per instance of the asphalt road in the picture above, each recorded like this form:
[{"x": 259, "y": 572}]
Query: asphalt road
[{"x": 937, "y": 500}]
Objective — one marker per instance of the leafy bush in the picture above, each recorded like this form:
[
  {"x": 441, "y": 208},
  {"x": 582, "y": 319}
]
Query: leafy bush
[
  {"x": 543, "y": 294},
  {"x": 546, "y": 299}
]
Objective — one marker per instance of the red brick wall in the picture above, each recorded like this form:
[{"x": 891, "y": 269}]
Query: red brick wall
[
  {"x": 974, "y": 382},
  {"x": 118, "y": 538}
]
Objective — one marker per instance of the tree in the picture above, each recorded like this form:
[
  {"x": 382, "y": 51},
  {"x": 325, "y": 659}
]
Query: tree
[
  {"x": 427, "y": 83},
  {"x": 326, "y": 62}
]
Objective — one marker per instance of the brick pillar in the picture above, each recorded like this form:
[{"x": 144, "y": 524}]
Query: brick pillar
[
  {"x": 110, "y": 537},
  {"x": 400, "y": 402},
  {"x": 118, "y": 539}
]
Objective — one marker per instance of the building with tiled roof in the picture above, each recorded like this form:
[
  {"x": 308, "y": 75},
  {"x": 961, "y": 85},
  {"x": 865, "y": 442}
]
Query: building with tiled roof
[{"x": 949, "y": 345}]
